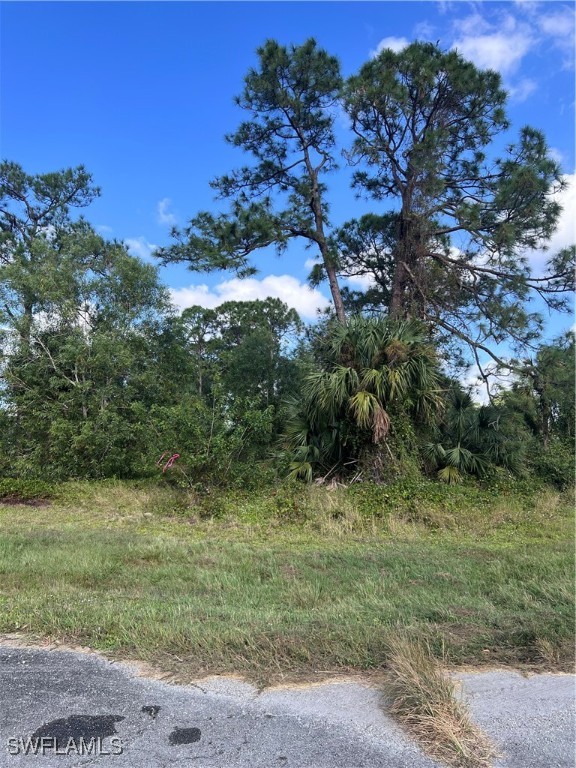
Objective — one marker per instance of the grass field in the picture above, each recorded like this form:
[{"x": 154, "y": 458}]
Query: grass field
[{"x": 295, "y": 581}]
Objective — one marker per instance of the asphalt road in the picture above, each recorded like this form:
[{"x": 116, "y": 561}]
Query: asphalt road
[
  {"x": 531, "y": 719},
  {"x": 77, "y": 710}
]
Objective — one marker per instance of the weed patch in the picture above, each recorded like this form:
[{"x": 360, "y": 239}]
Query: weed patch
[{"x": 424, "y": 701}]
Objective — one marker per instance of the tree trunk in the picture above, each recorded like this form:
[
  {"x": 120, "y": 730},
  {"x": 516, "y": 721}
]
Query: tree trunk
[
  {"x": 398, "y": 307},
  {"x": 316, "y": 205},
  {"x": 407, "y": 299},
  {"x": 25, "y": 331},
  {"x": 335, "y": 291}
]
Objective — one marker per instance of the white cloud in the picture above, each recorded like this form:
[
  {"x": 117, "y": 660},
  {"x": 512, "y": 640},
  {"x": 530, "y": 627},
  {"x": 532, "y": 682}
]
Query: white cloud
[
  {"x": 397, "y": 44},
  {"x": 498, "y": 380},
  {"x": 360, "y": 282},
  {"x": 556, "y": 155},
  {"x": 424, "y": 30},
  {"x": 311, "y": 263},
  {"x": 104, "y": 229},
  {"x": 472, "y": 25},
  {"x": 445, "y": 6},
  {"x": 473, "y": 381},
  {"x": 163, "y": 215},
  {"x": 140, "y": 247},
  {"x": 305, "y": 300},
  {"x": 559, "y": 24},
  {"x": 565, "y": 234},
  {"x": 559, "y": 27},
  {"x": 500, "y": 40},
  {"x": 529, "y": 6},
  {"x": 501, "y": 51},
  {"x": 522, "y": 89}
]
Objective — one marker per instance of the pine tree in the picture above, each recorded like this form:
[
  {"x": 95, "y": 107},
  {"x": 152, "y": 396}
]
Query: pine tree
[{"x": 290, "y": 99}]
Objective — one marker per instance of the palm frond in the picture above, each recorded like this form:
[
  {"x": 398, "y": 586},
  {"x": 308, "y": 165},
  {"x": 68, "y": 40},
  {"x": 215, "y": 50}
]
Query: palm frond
[
  {"x": 363, "y": 406},
  {"x": 449, "y": 475}
]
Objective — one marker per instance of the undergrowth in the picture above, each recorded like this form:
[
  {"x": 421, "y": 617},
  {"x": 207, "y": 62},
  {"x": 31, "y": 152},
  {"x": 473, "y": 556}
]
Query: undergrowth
[{"x": 295, "y": 579}]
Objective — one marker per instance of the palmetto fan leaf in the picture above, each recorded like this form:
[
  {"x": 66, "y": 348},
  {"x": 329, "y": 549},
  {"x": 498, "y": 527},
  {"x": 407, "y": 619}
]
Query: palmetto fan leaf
[
  {"x": 374, "y": 380},
  {"x": 449, "y": 475},
  {"x": 434, "y": 452},
  {"x": 369, "y": 414},
  {"x": 428, "y": 403},
  {"x": 374, "y": 367},
  {"x": 301, "y": 470},
  {"x": 474, "y": 438},
  {"x": 398, "y": 382},
  {"x": 363, "y": 406},
  {"x": 327, "y": 391},
  {"x": 464, "y": 460}
]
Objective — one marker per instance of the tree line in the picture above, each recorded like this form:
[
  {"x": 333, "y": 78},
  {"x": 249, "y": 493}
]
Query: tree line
[{"x": 100, "y": 376}]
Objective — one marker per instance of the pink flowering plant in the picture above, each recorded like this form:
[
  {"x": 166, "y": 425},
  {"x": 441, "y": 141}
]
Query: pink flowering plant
[{"x": 168, "y": 462}]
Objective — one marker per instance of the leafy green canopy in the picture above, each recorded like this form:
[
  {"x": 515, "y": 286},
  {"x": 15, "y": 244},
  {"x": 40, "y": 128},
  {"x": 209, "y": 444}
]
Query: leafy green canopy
[
  {"x": 247, "y": 347},
  {"x": 34, "y": 211},
  {"x": 85, "y": 341},
  {"x": 544, "y": 394}
]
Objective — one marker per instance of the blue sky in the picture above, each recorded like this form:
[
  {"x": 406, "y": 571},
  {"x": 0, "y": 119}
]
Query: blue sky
[{"x": 142, "y": 95}]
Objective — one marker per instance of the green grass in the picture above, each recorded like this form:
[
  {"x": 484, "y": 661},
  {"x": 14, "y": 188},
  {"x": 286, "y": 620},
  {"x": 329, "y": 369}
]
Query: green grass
[{"x": 293, "y": 581}]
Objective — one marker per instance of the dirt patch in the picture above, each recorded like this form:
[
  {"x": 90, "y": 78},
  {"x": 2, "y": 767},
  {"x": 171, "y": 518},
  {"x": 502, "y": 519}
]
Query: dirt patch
[
  {"x": 16, "y": 501},
  {"x": 21, "y": 640},
  {"x": 177, "y": 671}
]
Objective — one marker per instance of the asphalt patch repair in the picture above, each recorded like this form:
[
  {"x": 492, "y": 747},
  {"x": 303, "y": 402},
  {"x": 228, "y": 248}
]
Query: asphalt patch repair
[
  {"x": 125, "y": 721},
  {"x": 67, "y": 733},
  {"x": 184, "y": 736},
  {"x": 77, "y": 728}
]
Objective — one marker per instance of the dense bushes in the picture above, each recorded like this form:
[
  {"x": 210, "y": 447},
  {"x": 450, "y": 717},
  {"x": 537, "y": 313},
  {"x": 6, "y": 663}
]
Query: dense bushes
[
  {"x": 100, "y": 378},
  {"x": 554, "y": 464}
]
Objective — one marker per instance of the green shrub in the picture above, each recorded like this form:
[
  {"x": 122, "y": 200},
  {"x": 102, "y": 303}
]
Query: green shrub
[
  {"x": 555, "y": 464},
  {"x": 291, "y": 502},
  {"x": 18, "y": 490}
]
